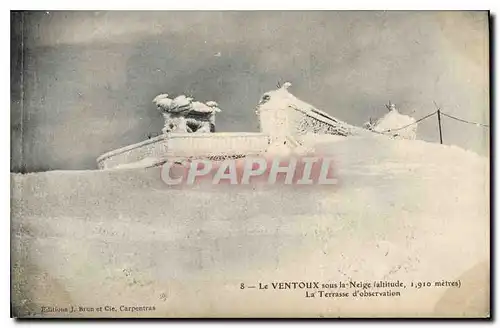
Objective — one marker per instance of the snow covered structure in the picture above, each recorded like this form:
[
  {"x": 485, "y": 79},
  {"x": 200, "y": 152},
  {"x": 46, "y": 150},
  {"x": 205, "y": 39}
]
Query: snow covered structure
[
  {"x": 281, "y": 110},
  {"x": 286, "y": 123},
  {"x": 394, "y": 124},
  {"x": 181, "y": 114}
]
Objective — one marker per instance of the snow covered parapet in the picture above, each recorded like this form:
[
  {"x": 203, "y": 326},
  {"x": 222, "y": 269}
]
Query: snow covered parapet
[
  {"x": 215, "y": 146},
  {"x": 182, "y": 114}
]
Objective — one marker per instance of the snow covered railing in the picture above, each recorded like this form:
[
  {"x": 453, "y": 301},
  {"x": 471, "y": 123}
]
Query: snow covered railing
[
  {"x": 340, "y": 128},
  {"x": 297, "y": 116}
]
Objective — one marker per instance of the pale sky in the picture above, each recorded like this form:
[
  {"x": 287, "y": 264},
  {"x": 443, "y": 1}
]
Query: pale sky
[{"x": 89, "y": 77}]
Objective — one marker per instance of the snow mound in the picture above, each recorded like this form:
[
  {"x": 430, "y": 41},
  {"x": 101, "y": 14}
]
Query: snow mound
[{"x": 392, "y": 122}]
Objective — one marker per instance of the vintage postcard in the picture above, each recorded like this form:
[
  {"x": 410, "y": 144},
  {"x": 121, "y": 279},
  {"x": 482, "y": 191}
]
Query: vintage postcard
[{"x": 250, "y": 164}]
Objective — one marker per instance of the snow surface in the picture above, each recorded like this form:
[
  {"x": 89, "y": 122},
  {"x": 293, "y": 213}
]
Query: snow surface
[{"x": 407, "y": 210}]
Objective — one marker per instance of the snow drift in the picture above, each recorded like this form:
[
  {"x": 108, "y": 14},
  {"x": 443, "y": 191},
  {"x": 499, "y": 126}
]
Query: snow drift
[
  {"x": 406, "y": 210},
  {"x": 396, "y": 124}
]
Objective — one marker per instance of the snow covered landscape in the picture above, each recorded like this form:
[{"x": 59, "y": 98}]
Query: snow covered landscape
[{"x": 110, "y": 109}]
